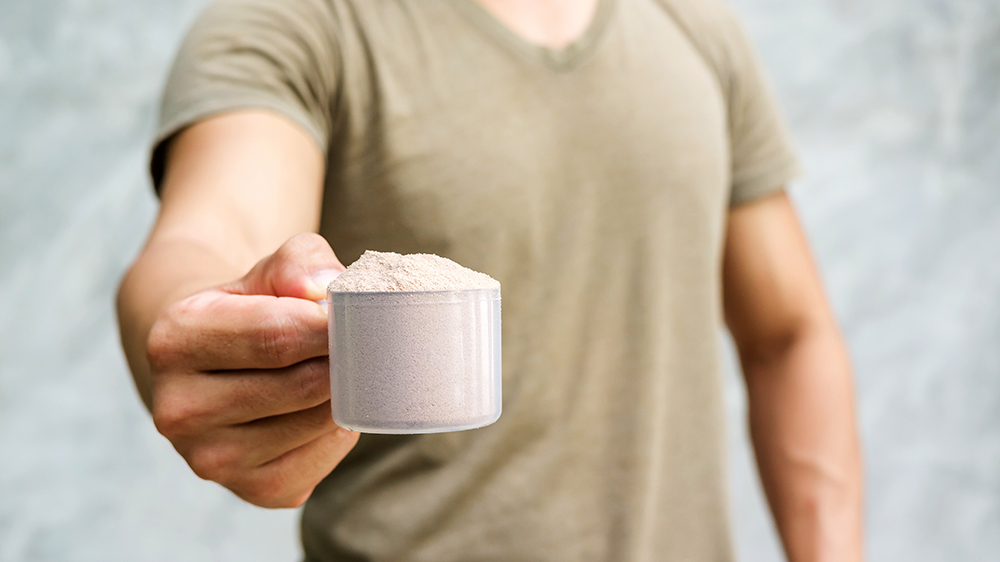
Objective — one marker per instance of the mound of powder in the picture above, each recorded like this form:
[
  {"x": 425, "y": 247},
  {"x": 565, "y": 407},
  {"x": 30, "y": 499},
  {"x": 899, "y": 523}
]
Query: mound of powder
[{"x": 388, "y": 271}]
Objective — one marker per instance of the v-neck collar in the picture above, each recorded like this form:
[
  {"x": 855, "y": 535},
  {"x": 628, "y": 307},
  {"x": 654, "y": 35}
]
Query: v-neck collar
[{"x": 563, "y": 59}]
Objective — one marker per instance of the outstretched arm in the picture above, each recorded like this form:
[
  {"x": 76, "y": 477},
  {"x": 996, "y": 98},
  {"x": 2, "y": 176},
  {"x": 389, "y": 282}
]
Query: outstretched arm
[
  {"x": 236, "y": 187},
  {"x": 231, "y": 357},
  {"x": 801, "y": 402}
]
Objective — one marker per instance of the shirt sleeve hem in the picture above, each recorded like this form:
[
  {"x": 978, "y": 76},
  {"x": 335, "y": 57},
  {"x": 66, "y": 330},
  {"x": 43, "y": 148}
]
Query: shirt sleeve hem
[{"x": 764, "y": 182}]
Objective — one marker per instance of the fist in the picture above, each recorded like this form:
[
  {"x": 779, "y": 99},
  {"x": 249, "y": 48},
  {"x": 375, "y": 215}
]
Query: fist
[{"x": 240, "y": 378}]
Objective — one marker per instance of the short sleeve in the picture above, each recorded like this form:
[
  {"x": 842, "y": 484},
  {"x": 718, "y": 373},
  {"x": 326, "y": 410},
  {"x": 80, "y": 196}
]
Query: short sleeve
[
  {"x": 763, "y": 159},
  {"x": 278, "y": 55}
]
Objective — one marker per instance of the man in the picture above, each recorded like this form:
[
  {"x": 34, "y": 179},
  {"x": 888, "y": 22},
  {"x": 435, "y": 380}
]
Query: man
[{"x": 616, "y": 164}]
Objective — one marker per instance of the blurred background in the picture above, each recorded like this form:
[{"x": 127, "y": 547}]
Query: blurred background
[{"x": 895, "y": 106}]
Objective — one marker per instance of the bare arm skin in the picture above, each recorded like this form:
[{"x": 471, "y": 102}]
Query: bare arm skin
[
  {"x": 798, "y": 377},
  {"x": 226, "y": 347}
]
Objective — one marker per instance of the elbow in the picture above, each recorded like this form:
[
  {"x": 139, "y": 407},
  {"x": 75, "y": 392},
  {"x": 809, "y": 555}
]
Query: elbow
[
  {"x": 763, "y": 349},
  {"x": 131, "y": 336},
  {"x": 772, "y": 343}
]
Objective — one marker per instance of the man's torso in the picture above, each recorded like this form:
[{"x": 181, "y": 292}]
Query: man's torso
[{"x": 593, "y": 183}]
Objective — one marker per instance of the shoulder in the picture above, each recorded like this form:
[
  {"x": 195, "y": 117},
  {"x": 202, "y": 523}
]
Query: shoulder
[
  {"x": 715, "y": 31},
  {"x": 309, "y": 18},
  {"x": 272, "y": 11},
  {"x": 295, "y": 36}
]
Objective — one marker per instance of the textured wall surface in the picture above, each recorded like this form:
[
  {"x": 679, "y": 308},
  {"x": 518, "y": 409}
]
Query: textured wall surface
[{"x": 896, "y": 108}]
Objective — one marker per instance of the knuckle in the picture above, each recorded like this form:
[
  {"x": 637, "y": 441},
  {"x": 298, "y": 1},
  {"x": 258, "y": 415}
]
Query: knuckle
[
  {"x": 314, "y": 381},
  {"x": 300, "y": 247},
  {"x": 279, "y": 339},
  {"x": 289, "y": 502},
  {"x": 165, "y": 343},
  {"x": 213, "y": 462},
  {"x": 173, "y": 413},
  {"x": 304, "y": 243},
  {"x": 269, "y": 491},
  {"x": 161, "y": 345},
  {"x": 296, "y": 501}
]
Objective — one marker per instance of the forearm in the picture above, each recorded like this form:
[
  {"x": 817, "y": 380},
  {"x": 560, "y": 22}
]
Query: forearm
[
  {"x": 236, "y": 187},
  {"x": 801, "y": 410},
  {"x": 169, "y": 269}
]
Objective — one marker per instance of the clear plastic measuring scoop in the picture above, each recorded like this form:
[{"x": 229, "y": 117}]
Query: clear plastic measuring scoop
[{"x": 415, "y": 361}]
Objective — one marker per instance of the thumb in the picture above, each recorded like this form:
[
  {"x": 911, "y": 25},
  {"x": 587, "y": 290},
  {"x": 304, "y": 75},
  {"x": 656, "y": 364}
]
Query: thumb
[{"x": 301, "y": 268}]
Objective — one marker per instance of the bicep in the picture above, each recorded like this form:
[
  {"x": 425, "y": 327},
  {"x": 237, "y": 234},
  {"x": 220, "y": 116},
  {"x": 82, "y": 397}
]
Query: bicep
[
  {"x": 240, "y": 184},
  {"x": 236, "y": 181},
  {"x": 771, "y": 289}
]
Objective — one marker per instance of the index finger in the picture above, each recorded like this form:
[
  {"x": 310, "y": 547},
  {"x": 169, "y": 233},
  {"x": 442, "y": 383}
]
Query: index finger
[{"x": 215, "y": 330}]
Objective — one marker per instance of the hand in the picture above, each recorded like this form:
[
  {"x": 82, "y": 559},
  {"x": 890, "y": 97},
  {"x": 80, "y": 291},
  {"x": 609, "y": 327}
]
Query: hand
[{"x": 241, "y": 378}]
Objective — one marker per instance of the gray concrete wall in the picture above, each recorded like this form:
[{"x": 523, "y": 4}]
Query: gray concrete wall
[{"x": 896, "y": 108}]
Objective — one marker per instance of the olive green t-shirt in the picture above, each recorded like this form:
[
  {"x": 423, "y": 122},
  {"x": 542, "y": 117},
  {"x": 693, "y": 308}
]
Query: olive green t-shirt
[{"x": 594, "y": 183}]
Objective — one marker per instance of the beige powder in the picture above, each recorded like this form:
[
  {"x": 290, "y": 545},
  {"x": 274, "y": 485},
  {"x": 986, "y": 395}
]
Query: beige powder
[{"x": 388, "y": 271}]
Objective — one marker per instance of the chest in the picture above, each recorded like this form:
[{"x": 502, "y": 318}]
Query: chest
[{"x": 455, "y": 144}]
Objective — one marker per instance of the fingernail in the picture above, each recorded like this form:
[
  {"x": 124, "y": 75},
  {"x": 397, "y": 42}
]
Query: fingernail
[
  {"x": 322, "y": 279},
  {"x": 324, "y": 305}
]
